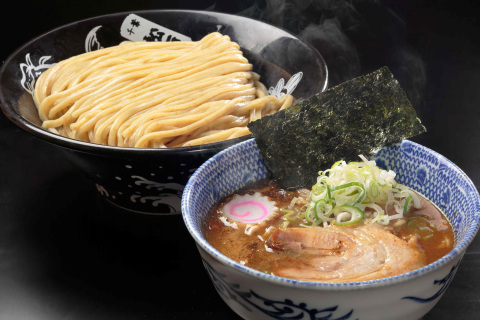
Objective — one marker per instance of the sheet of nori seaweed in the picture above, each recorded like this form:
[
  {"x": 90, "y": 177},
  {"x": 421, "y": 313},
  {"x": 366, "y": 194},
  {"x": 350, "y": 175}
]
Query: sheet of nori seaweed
[{"x": 359, "y": 116}]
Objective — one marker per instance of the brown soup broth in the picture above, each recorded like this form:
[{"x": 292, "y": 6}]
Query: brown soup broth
[{"x": 426, "y": 227}]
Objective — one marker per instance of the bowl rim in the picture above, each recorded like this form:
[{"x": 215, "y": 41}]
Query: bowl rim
[
  {"x": 456, "y": 253},
  {"x": 14, "y": 116}
]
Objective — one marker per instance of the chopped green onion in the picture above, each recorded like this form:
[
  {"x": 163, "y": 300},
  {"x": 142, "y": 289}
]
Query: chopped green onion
[
  {"x": 379, "y": 210},
  {"x": 355, "y": 215},
  {"x": 318, "y": 192},
  {"x": 307, "y": 213},
  {"x": 360, "y": 184},
  {"x": 329, "y": 195},
  {"x": 316, "y": 189},
  {"x": 373, "y": 190},
  {"x": 355, "y": 185},
  {"x": 383, "y": 219},
  {"x": 319, "y": 206},
  {"x": 290, "y": 214},
  {"x": 421, "y": 227},
  {"x": 336, "y": 164},
  {"x": 407, "y": 204},
  {"x": 322, "y": 211}
]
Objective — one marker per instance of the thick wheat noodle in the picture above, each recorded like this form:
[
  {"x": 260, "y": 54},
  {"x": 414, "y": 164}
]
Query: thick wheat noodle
[
  {"x": 134, "y": 111},
  {"x": 222, "y": 124},
  {"x": 155, "y": 94}
]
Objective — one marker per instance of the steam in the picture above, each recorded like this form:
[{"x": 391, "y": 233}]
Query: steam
[
  {"x": 338, "y": 51},
  {"x": 354, "y": 37}
]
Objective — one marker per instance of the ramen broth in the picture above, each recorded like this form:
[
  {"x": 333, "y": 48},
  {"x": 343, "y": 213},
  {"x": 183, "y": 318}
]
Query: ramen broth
[{"x": 262, "y": 227}]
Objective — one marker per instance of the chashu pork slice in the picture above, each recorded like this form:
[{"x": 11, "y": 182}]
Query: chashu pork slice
[{"x": 344, "y": 254}]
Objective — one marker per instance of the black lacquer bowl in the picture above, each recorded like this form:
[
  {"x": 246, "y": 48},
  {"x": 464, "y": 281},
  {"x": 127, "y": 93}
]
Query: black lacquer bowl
[{"x": 151, "y": 180}]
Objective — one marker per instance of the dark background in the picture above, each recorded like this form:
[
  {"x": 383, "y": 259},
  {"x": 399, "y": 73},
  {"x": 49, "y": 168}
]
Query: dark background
[{"x": 64, "y": 255}]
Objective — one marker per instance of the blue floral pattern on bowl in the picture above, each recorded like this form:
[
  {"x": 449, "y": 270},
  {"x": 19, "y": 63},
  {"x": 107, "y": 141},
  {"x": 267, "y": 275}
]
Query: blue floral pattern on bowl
[
  {"x": 443, "y": 283},
  {"x": 276, "y": 309}
]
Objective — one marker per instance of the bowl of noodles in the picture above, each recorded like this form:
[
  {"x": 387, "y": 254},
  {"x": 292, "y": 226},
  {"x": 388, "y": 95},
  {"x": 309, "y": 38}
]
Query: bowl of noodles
[
  {"x": 139, "y": 100},
  {"x": 277, "y": 254}
]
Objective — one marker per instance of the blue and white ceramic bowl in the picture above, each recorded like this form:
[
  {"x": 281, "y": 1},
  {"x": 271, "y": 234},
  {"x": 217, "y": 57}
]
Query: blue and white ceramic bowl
[{"x": 256, "y": 295}]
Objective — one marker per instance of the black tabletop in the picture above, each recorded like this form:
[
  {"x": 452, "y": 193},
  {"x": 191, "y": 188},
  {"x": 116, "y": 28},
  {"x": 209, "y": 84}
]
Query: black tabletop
[{"x": 64, "y": 254}]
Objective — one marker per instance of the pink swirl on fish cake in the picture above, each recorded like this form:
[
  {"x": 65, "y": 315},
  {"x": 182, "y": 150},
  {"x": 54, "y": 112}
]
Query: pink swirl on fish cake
[
  {"x": 248, "y": 213},
  {"x": 249, "y": 208}
]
